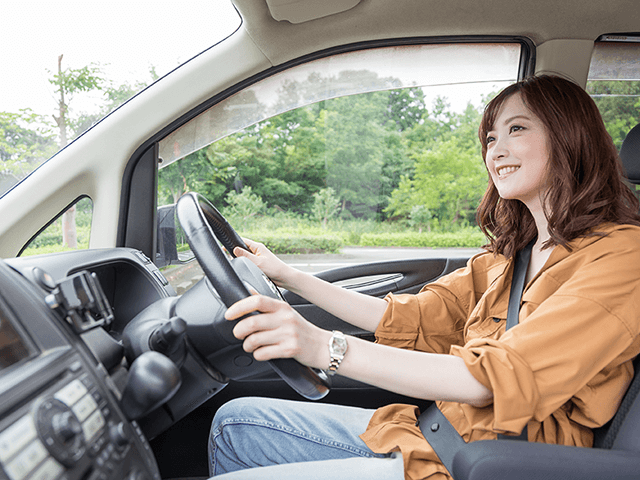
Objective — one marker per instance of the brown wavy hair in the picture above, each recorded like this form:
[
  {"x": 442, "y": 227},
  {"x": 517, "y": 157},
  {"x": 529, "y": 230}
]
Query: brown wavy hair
[{"x": 584, "y": 172}]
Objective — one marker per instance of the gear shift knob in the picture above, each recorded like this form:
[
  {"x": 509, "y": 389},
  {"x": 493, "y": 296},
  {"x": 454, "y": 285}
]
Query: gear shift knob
[{"x": 153, "y": 379}]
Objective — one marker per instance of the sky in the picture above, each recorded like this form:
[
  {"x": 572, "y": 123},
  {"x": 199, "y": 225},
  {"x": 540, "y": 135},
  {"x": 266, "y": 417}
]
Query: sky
[{"x": 126, "y": 37}]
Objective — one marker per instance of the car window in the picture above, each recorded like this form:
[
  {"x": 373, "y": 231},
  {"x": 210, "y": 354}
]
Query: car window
[
  {"x": 49, "y": 99},
  {"x": 370, "y": 153},
  {"x": 614, "y": 84},
  {"x": 68, "y": 231}
]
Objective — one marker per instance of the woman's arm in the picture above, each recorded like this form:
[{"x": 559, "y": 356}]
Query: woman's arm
[
  {"x": 280, "y": 332},
  {"x": 360, "y": 310}
]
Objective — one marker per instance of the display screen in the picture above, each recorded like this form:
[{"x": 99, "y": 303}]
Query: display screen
[{"x": 12, "y": 347}]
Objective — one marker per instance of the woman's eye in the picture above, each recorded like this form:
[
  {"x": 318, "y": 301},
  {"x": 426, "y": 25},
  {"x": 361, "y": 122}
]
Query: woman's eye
[
  {"x": 515, "y": 128},
  {"x": 490, "y": 139}
]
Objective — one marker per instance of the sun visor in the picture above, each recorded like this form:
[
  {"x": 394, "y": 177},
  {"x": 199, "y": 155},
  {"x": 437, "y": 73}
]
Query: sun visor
[{"x": 300, "y": 11}]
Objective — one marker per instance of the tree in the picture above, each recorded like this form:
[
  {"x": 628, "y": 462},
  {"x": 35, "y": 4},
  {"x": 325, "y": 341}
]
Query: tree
[
  {"x": 115, "y": 95},
  {"x": 25, "y": 142},
  {"x": 420, "y": 216},
  {"x": 325, "y": 206},
  {"x": 619, "y": 105},
  {"x": 406, "y": 107},
  {"x": 69, "y": 82},
  {"x": 244, "y": 205},
  {"x": 448, "y": 181}
]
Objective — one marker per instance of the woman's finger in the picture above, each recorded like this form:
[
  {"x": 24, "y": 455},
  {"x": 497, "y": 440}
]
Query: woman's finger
[
  {"x": 269, "y": 352},
  {"x": 281, "y": 339},
  {"x": 250, "y": 304},
  {"x": 256, "y": 323}
]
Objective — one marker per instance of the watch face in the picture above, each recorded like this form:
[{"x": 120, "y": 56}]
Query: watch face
[{"x": 338, "y": 345}]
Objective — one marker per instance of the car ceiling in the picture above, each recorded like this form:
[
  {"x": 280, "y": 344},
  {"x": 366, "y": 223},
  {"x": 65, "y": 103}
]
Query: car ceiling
[{"x": 540, "y": 20}]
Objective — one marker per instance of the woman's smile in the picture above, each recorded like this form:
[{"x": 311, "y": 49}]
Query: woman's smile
[
  {"x": 518, "y": 154},
  {"x": 505, "y": 171}
]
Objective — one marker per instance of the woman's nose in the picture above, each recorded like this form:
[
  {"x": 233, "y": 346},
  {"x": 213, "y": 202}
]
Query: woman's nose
[{"x": 498, "y": 149}]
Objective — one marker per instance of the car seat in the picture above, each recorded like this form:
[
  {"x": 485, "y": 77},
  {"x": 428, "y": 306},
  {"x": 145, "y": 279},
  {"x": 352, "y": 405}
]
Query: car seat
[{"x": 616, "y": 452}]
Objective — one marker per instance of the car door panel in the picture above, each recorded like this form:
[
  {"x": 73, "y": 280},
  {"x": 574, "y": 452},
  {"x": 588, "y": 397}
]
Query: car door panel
[{"x": 376, "y": 279}]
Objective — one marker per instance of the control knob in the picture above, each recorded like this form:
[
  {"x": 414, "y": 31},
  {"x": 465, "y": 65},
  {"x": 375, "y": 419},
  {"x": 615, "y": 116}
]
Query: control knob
[{"x": 60, "y": 431}]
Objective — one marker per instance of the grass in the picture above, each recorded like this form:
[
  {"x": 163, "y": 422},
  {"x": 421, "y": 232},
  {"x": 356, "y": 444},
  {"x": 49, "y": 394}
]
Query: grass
[{"x": 286, "y": 234}]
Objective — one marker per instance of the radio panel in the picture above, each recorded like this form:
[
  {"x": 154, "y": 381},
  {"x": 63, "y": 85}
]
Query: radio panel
[{"x": 69, "y": 430}]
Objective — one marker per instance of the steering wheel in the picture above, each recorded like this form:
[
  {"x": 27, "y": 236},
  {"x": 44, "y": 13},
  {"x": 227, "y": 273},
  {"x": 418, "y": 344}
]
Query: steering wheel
[{"x": 200, "y": 221}]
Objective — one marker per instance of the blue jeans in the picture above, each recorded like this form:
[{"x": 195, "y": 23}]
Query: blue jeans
[{"x": 261, "y": 432}]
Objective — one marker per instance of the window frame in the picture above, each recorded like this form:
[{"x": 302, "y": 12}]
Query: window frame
[{"x": 142, "y": 217}]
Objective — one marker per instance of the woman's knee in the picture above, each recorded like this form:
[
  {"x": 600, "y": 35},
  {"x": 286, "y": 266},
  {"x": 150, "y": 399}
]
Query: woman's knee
[{"x": 233, "y": 409}]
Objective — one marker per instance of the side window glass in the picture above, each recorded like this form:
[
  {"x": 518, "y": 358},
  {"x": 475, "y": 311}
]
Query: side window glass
[
  {"x": 614, "y": 84},
  {"x": 374, "y": 150},
  {"x": 69, "y": 231}
]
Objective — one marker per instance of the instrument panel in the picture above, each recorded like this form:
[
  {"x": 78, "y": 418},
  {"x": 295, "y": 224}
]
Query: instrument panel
[{"x": 60, "y": 414}]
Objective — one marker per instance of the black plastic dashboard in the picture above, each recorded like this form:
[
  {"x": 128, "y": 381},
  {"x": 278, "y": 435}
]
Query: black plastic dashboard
[{"x": 60, "y": 398}]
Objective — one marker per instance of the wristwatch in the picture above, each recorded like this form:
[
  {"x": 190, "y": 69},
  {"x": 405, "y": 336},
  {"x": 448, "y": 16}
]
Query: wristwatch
[{"x": 337, "y": 350}]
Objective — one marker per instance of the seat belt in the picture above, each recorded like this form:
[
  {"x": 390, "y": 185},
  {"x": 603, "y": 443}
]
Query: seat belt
[
  {"x": 436, "y": 428},
  {"x": 513, "y": 311}
]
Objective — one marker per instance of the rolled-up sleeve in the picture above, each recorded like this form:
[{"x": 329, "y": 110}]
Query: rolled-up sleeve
[{"x": 435, "y": 318}]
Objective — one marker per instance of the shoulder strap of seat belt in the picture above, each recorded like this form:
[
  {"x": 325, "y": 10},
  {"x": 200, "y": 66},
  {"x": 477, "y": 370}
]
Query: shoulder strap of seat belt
[
  {"x": 521, "y": 265},
  {"x": 441, "y": 435}
]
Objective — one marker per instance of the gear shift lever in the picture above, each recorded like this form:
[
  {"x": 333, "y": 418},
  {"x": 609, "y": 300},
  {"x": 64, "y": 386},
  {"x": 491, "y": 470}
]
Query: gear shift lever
[{"x": 153, "y": 379}]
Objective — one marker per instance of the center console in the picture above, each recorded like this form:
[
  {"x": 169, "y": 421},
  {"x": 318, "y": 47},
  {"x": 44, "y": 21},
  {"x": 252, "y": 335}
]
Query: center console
[{"x": 60, "y": 413}]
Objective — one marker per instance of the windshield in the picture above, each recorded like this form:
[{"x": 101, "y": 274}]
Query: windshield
[{"x": 71, "y": 62}]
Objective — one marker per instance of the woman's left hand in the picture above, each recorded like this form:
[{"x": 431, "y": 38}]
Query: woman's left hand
[{"x": 278, "y": 331}]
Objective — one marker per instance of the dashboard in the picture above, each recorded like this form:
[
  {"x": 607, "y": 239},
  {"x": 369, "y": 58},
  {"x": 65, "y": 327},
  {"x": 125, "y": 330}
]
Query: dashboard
[{"x": 63, "y": 384}]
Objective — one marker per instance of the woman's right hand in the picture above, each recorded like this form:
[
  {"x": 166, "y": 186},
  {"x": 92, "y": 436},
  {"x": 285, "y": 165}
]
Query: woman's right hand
[{"x": 271, "y": 266}]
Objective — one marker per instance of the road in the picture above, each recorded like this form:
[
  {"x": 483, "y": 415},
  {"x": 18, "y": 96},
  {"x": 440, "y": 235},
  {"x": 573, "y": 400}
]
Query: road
[{"x": 182, "y": 277}]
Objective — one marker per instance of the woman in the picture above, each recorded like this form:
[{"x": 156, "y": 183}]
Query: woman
[{"x": 555, "y": 181}]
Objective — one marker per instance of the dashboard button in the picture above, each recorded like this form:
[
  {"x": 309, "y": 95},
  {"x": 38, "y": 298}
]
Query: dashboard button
[
  {"x": 14, "y": 438},
  {"x": 71, "y": 393},
  {"x": 85, "y": 407},
  {"x": 26, "y": 461},
  {"x": 93, "y": 425},
  {"x": 49, "y": 470}
]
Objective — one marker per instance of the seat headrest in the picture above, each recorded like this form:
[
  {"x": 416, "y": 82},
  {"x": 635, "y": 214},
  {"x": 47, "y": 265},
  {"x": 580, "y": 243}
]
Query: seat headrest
[{"x": 630, "y": 155}]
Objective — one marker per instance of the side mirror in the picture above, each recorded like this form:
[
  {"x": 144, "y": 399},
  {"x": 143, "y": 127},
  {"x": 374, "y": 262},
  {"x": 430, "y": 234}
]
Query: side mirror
[{"x": 167, "y": 251}]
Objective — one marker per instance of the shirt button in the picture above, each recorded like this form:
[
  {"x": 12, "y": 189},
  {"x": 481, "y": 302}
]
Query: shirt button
[{"x": 435, "y": 427}]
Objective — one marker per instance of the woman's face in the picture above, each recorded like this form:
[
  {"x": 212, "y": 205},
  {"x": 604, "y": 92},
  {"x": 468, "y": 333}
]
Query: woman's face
[{"x": 518, "y": 153}]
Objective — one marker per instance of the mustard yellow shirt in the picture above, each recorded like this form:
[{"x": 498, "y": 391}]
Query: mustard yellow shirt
[{"x": 562, "y": 371}]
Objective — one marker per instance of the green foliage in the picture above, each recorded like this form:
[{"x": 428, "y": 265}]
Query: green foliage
[
  {"x": 351, "y": 144},
  {"x": 114, "y": 96},
  {"x": 288, "y": 244},
  {"x": 470, "y": 237},
  {"x": 71, "y": 81},
  {"x": 448, "y": 180},
  {"x": 369, "y": 169},
  {"x": 619, "y": 104},
  {"x": 243, "y": 205},
  {"x": 420, "y": 217},
  {"x": 325, "y": 206},
  {"x": 25, "y": 142},
  {"x": 50, "y": 239}
]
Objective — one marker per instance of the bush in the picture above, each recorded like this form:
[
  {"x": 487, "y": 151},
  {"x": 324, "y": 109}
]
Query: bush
[
  {"x": 288, "y": 244},
  {"x": 470, "y": 238}
]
